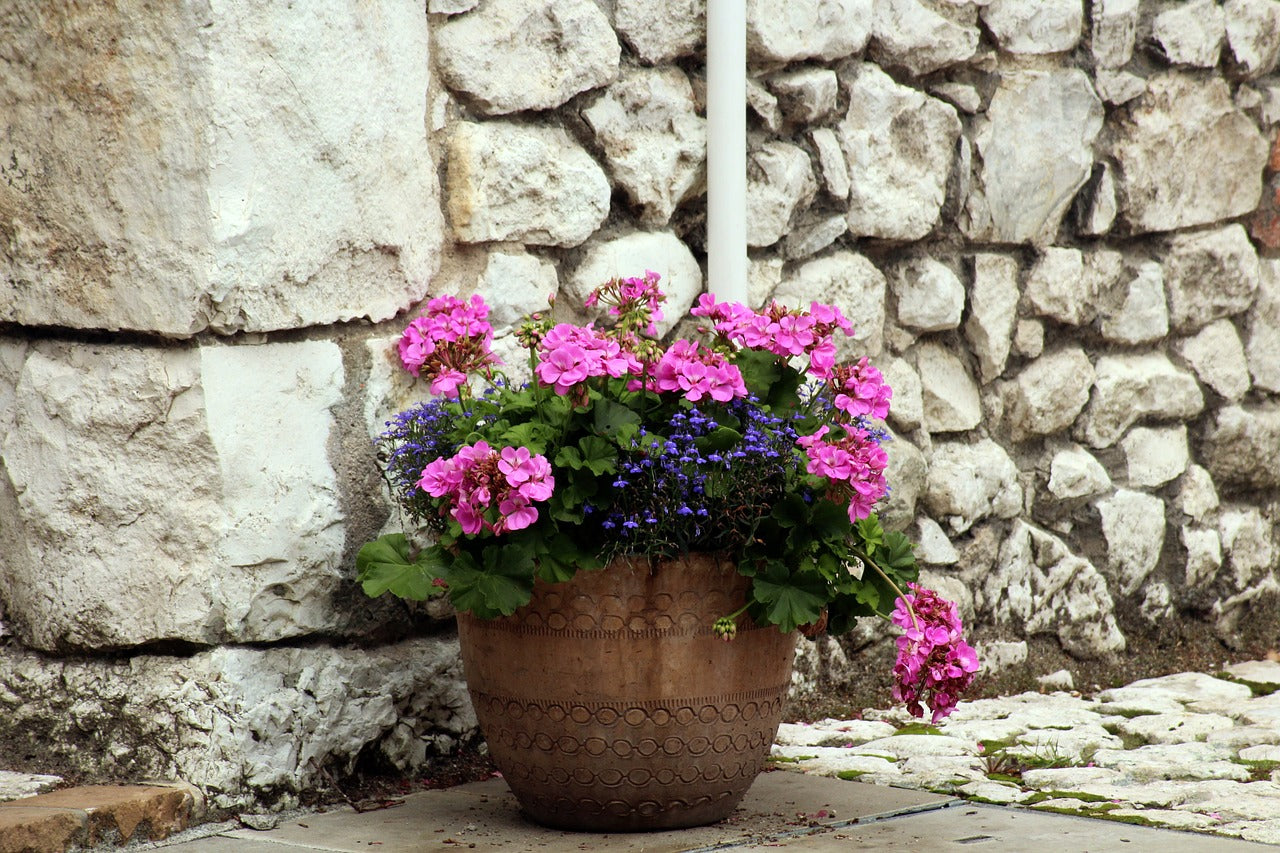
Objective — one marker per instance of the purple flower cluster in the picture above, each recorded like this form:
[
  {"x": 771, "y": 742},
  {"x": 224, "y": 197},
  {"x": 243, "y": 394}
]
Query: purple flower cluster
[
  {"x": 413, "y": 438},
  {"x": 935, "y": 665}
]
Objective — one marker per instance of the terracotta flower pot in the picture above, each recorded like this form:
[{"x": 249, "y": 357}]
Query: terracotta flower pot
[{"x": 610, "y": 706}]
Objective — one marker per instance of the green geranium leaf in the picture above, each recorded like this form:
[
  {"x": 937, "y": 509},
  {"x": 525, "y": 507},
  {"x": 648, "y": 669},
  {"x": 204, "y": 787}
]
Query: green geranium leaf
[
  {"x": 898, "y": 554},
  {"x": 871, "y": 533},
  {"x": 599, "y": 455},
  {"x": 612, "y": 417},
  {"x": 760, "y": 370},
  {"x": 830, "y": 522},
  {"x": 790, "y": 598},
  {"x": 791, "y": 511},
  {"x": 388, "y": 565},
  {"x": 784, "y": 393},
  {"x": 720, "y": 438},
  {"x": 504, "y": 584},
  {"x": 530, "y": 435},
  {"x": 569, "y": 457}
]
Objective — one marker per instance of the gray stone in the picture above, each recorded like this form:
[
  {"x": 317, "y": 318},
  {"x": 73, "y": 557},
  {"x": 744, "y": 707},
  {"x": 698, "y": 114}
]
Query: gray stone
[
  {"x": 1253, "y": 32},
  {"x": 835, "y": 171},
  {"x": 763, "y": 103},
  {"x": 1097, "y": 207},
  {"x": 1263, "y": 330},
  {"x": 920, "y": 746},
  {"x": 1237, "y": 438},
  {"x": 1173, "y": 728},
  {"x": 212, "y": 174},
  {"x": 1135, "y": 311},
  {"x": 832, "y": 733},
  {"x": 1217, "y": 357},
  {"x": 1035, "y": 26},
  {"x": 1115, "y": 25},
  {"x": 1159, "y": 762},
  {"x": 1118, "y": 87},
  {"x": 969, "y": 482},
  {"x": 810, "y": 29},
  {"x": 1191, "y": 34},
  {"x": 1155, "y": 455},
  {"x": 906, "y": 411},
  {"x": 962, "y": 96},
  {"x": 1034, "y": 160},
  {"x": 1244, "y": 736},
  {"x": 993, "y": 309},
  {"x": 929, "y": 295},
  {"x": 1060, "y": 679},
  {"x": 933, "y": 548},
  {"x": 951, "y": 402},
  {"x": 519, "y": 182},
  {"x": 763, "y": 277},
  {"x": 513, "y": 55},
  {"x": 1196, "y": 494},
  {"x": 14, "y": 786},
  {"x": 1075, "y": 473},
  {"x": 780, "y": 182},
  {"x": 1248, "y": 543},
  {"x": 1264, "y": 673},
  {"x": 1128, "y": 388},
  {"x": 899, "y": 144},
  {"x": 1186, "y": 156},
  {"x": 806, "y": 95},
  {"x": 515, "y": 285},
  {"x": 1209, "y": 274},
  {"x": 661, "y": 30},
  {"x": 907, "y": 471},
  {"x": 632, "y": 255},
  {"x": 1184, "y": 687},
  {"x": 1204, "y": 556},
  {"x": 849, "y": 282},
  {"x": 1028, "y": 338},
  {"x": 653, "y": 140},
  {"x": 1048, "y": 395},
  {"x": 1000, "y": 656},
  {"x": 923, "y": 36},
  {"x": 1057, "y": 287},
  {"x": 1133, "y": 525},
  {"x": 812, "y": 235}
]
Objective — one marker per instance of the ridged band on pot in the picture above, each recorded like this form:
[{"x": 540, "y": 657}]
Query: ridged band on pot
[{"x": 609, "y": 704}]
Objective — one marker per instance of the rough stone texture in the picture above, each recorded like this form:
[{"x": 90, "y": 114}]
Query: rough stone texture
[
  {"x": 993, "y": 310},
  {"x": 1209, "y": 274},
  {"x": 806, "y": 95},
  {"x": 811, "y": 235},
  {"x": 835, "y": 170},
  {"x": 661, "y": 30},
  {"x": 1036, "y": 142},
  {"x": 1154, "y": 456},
  {"x": 968, "y": 482},
  {"x": 1130, "y": 387},
  {"x": 1133, "y": 525},
  {"x": 923, "y": 36},
  {"x": 851, "y": 283},
  {"x": 1191, "y": 33},
  {"x": 1237, "y": 438},
  {"x": 899, "y": 144},
  {"x": 779, "y": 183},
  {"x": 653, "y": 140},
  {"x": 1204, "y": 556},
  {"x": 1115, "y": 24},
  {"x": 1196, "y": 493},
  {"x": 1216, "y": 355},
  {"x": 1134, "y": 309},
  {"x": 1253, "y": 32},
  {"x": 806, "y": 29},
  {"x": 1057, "y": 287},
  {"x": 907, "y": 468},
  {"x": 1263, "y": 336},
  {"x": 514, "y": 286},
  {"x": 1186, "y": 156},
  {"x": 951, "y": 402},
  {"x": 1247, "y": 541},
  {"x": 1096, "y": 206},
  {"x": 1049, "y": 394},
  {"x": 1119, "y": 87},
  {"x": 561, "y": 48},
  {"x": 1076, "y": 473},
  {"x": 906, "y": 410},
  {"x": 929, "y": 295},
  {"x": 237, "y": 721},
  {"x": 632, "y": 255},
  {"x": 518, "y": 182},
  {"x": 1028, "y": 338},
  {"x": 1035, "y": 26},
  {"x": 190, "y": 182}
]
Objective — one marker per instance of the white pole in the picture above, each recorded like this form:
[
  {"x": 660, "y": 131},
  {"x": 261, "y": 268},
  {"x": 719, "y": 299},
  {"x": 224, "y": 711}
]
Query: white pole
[{"x": 727, "y": 150}]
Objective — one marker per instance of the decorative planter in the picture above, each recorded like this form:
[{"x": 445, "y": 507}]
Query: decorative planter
[{"x": 609, "y": 704}]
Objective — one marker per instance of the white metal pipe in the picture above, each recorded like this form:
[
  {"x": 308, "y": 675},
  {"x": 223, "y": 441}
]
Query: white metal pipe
[{"x": 727, "y": 150}]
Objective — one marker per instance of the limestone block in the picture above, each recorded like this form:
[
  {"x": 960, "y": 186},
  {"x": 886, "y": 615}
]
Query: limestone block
[
  {"x": 1057, "y": 287},
  {"x": 813, "y": 234},
  {"x": 1155, "y": 455},
  {"x": 1240, "y": 444},
  {"x": 513, "y": 55},
  {"x": 1263, "y": 330},
  {"x": 805, "y": 95},
  {"x": 907, "y": 470},
  {"x": 962, "y": 96},
  {"x": 184, "y": 494},
  {"x": 1133, "y": 526},
  {"x": 932, "y": 545},
  {"x": 923, "y": 36},
  {"x": 661, "y": 30},
  {"x": 763, "y": 277},
  {"x": 806, "y": 29},
  {"x": 835, "y": 171},
  {"x": 1034, "y": 160},
  {"x": 1196, "y": 494},
  {"x": 654, "y": 142},
  {"x": 1209, "y": 274},
  {"x": 1118, "y": 87},
  {"x": 515, "y": 285},
  {"x": 1035, "y": 26},
  {"x": 764, "y": 104},
  {"x": 1253, "y": 32},
  {"x": 181, "y": 170},
  {"x": 899, "y": 144},
  {"x": 1049, "y": 394},
  {"x": 1204, "y": 556},
  {"x": 993, "y": 310},
  {"x": 1216, "y": 355},
  {"x": 1186, "y": 155},
  {"x": 780, "y": 182},
  {"x": 1248, "y": 543},
  {"x": 1115, "y": 24},
  {"x": 1096, "y": 208},
  {"x": 1128, "y": 388},
  {"x": 969, "y": 482},
  {"x": 851, "y": 283},
  {"x": 906, "y": 412},
  {"x": 1135, "y": 310},
  {"x": 245, "y": 725},
  {"x": 1076, "y": 473},
  {"x": 1191, "y": 33},
  {"x": 520, "y": 182},
  {"x": 951, "y": 401},
  {"x": 929, "y": 295},
  {"x": 632, "y": 255},
  {"x": 1028, "y": 338}
]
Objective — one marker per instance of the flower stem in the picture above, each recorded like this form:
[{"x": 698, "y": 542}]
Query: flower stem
[{"x": 866, "y": 559}]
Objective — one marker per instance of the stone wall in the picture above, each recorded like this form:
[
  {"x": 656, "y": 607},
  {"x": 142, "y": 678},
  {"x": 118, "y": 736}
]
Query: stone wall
[{"x": 1052, "y": 222}]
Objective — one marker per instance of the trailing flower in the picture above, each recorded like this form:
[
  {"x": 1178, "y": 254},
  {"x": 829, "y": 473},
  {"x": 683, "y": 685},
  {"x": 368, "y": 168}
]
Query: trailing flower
[{"x": 753, "y": 443}]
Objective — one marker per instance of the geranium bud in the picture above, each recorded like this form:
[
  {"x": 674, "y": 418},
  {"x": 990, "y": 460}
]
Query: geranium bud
[{"x": 726, "y": 628}]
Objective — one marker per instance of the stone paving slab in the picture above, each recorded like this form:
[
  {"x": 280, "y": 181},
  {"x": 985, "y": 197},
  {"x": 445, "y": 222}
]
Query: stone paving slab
[{"x": 95, "y": 814}]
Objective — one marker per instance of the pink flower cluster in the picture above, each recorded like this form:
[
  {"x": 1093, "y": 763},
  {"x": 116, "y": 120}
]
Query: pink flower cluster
[
  {"x": 632, "y": 299},
  {"x": 570, "y": 354},
  {"x": 698, "y": 372},
  {"x": 478, "y": 478},
  {"x": 779, "y": 330},
  {"x": 854, "y": 462},
  {"x": 861, "y": 390},
  {"x": 451, "y": 339},
  {"x": 935, "y": 665}
]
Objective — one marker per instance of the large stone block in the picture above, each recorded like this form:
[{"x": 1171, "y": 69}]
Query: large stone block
[
  {"x": 1209, "y": 274},
  {"x": 1048, "y": 395},
  {"x": 154, "y": 494},
  {"x": 804, "y": 29},
  {"x": 1035, "y": 26},
  {"x": 1253, "y": 32},
  {"x": 780, "y": 183},
  {"x": 1186, "y": 155},
  {"x": 633, "y": 255},
  {"x": 993, "y": 311},
  {"x": 1128, "y": 388},
  {"x": 923, "y": 36},
  {"x": 851, "y": 283},
  {"x": 1036, "y": 142},
  {"x": 661, "y": 30},
  {"x": 951, "y": 400},
  {"x": 969, "y": 482},
  {"x": 1239, "y": 447},
  {"x": 1191, "y": 34},
  {"x": 235, "y": 166},
  {"x": 1263, "y": 338},
  {"x": 1133, "y": 525}
]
